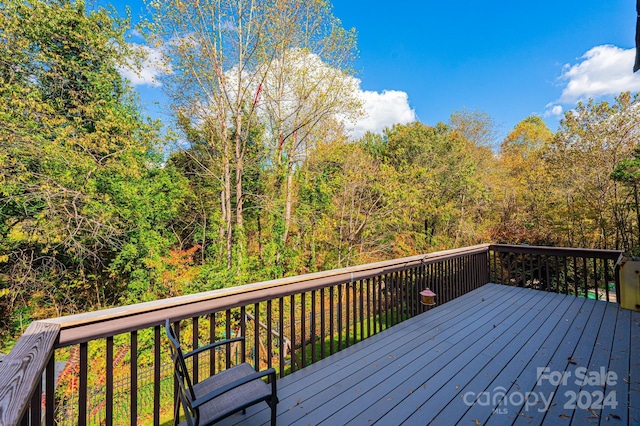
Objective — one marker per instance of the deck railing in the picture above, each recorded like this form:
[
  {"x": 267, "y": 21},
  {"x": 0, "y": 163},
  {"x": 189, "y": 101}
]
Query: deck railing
[
  {"x": 116, "y": 360},
  {"x": 117, "y": 364},
  {"x": 580, "y": 272}
]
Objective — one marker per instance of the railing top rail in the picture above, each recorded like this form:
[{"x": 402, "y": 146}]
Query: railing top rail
[
  {"x": 87, "y": 326},
  {"x": 21, "y": 370},
  {"x": 558, "y": 251}
]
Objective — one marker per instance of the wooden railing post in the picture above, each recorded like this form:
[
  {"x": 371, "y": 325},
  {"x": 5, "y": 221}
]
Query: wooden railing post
[{"x": 21, "y": 374}]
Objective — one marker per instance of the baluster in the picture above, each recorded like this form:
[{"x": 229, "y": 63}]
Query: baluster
[
  {"x": 82, "y": 391},
  {"x": 194, "y": 345},
  {"x": 109, "y": 381},
  {"x": 303, "y": 329},
  {"x": 368, "y": 297},
  {"x": 292, "y": 320},
  {"x": 586, "y": 278},
  {"x": 156, "y": 376},
  {"x": 281, "y": 352},
  {"x": 331, "y": 320},
  {"x": 376, "y": 307},
  {"x": 212, "y": 339},
  {"x": 256, "y": 337},
  {"x": 243, "y": 333},
  {"x": 269, "y": 335},
  {"x": 312, "y": 326},
  {"x": 355, "y": 310},
  {"x": 339, "y": 313},
  {"x": 50, "y": 391},
  {"x": 347, "y": 328},
  {"x": 323, "y": 331},
  {"x": 134, "y": 377},
  {"x": 595, "y": 275}
]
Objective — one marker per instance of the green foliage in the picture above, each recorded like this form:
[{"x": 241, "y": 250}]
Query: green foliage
[
  {"x": 83, "y": 190},
  {"x": 526, "y": 213},
  {"x": 93, "y": 215},
  {"x": 434, "y": 164}
]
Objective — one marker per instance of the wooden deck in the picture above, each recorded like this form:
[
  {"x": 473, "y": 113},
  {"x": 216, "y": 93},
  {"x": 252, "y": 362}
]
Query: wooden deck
[{"x": 495, "y": 356}]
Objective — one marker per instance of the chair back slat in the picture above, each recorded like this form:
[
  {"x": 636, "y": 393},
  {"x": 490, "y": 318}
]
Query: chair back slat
[{"x": 185, "y": 387}]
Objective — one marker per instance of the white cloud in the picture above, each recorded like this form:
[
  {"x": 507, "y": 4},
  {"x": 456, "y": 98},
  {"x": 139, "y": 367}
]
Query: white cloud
[
  {"x": 150, "y": 68},
  {"x": 135, "y": 33},
  {"x": 553, "y": 110},
  {"x": 383, "y": 110},
  {"x": 603, "y": 70}
]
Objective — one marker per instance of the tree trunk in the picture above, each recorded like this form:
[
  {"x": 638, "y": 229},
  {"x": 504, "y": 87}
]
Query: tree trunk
[
  {"x": 288, "y": 202},
  {"x": 227, "y": 205},
  {"x": 239, "y": 190}
]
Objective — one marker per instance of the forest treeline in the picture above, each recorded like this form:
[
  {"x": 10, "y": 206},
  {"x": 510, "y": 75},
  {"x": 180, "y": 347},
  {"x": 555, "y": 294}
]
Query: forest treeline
[{"x": 100, "y": 207}]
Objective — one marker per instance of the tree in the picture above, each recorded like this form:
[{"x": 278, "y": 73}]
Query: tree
[
  {"x": 240, "y": 65},
  {"x": 79, "y": 171},
  {"x": 476, "y": 126},
  {"x": 524, "y": 193},
  {"x": 592, "y": 140},
  {"x": 344, "y": 207},
  {"x": 439, "y": 196},
  {"x": 627, "y": 172}
]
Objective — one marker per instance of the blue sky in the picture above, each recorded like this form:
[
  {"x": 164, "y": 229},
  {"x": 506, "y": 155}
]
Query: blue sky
[{"x": 421, "y": 59}]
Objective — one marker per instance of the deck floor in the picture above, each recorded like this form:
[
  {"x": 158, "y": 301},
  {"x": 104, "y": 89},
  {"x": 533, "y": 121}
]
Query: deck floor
[{"x": 498, "y": 356}]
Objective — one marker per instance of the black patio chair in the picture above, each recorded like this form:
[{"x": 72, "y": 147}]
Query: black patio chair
[{"x": 224, "y": 393}]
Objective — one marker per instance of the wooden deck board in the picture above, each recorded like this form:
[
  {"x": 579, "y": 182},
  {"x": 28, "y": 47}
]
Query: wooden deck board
[
  {"x": 599, "y": 362},
  {"x": 505, "y": 369},
  {"x": 491, "y": 376},
  {"x": 328, "y": 374},
  {"x": 526, "y": 381},
  {"x": 454, "y": 381},
  {"x": 557, "y": 363},
  {"x": 634, "y": 370},
  {"x": 420, "y": 381},
  {"x": 560, "y": 410},
  {"x": 494, "y": 337},
  {"x": 619, "y": 364},
  {"x": 395, "y": 366}
]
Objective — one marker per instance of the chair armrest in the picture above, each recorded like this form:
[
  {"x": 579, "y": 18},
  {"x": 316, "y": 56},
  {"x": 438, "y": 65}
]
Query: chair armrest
[
  {"x": 229, "y": 386},
  {"x": 213, "y": 345}
]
